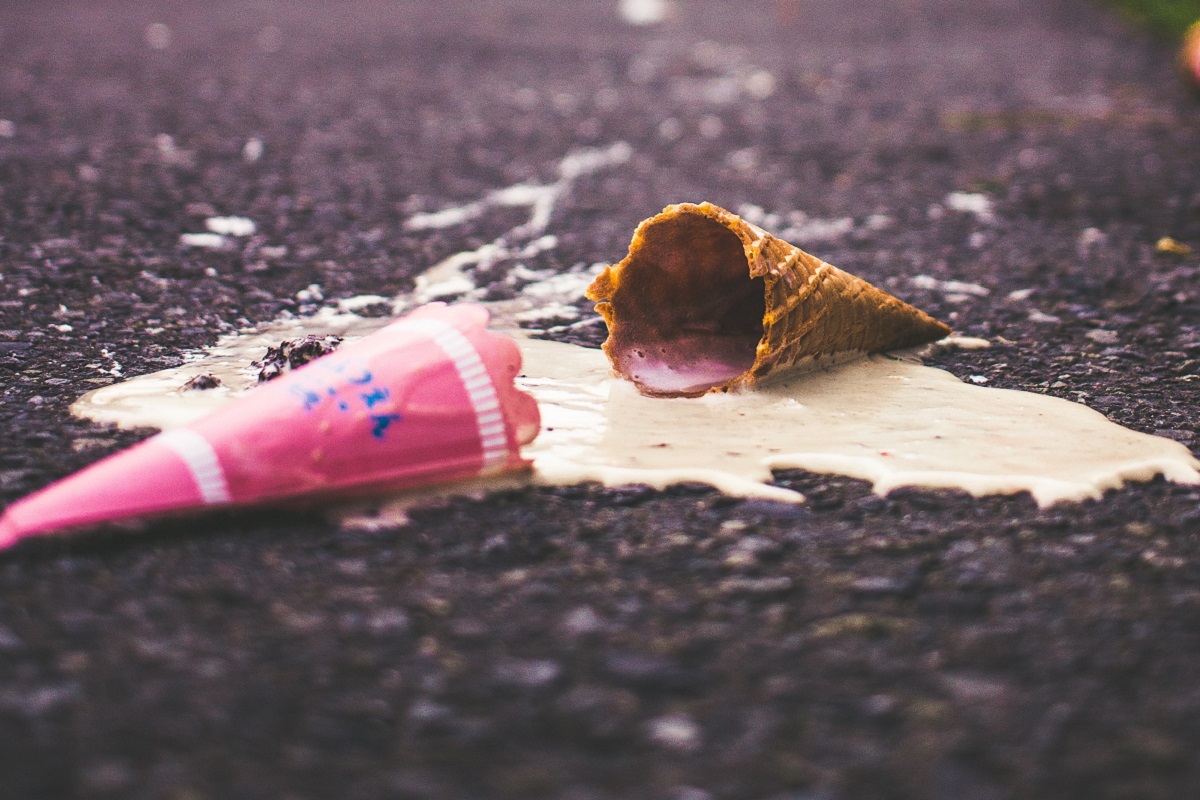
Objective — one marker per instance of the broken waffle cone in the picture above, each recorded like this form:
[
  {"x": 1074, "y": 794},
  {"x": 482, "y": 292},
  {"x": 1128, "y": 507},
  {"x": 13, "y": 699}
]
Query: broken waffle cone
[
  {"x": 429, "y": 398},
  {"x": 706, "y": 301}
]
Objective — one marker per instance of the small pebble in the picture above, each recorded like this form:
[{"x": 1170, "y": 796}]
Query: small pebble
[
  {"x": 9, "y": 640},
  {"x": 389, "y": 620},
  {"x": 230, "y": 226},
  {"x": 526, "y": 673},
  {"x": 582, "y": 621},
  {"x": 677, "y": 732},
  {"x": 645, "y": 671},
  {"x": 690, "y": 793}
]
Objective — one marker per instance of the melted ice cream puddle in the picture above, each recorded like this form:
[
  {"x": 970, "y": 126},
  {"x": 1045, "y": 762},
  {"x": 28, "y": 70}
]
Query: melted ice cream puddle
[{"x": 891, "y": 422}]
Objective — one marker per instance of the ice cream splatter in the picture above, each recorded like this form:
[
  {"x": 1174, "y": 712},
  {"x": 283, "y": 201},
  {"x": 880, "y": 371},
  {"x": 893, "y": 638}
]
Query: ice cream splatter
[
  {"x": 801, "y": 229},
  {"x": 450, "y": 277},
  {"x": 211, "y": 241},
  {"x": 351, "y": 305},
  {"x": 891, "y": 422},
  {"x": 230, "y": 226},
  {"x": 972, "y": 203},
  {"x": 955, "y": 291}
]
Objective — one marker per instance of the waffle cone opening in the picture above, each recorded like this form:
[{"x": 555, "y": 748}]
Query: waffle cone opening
[{"x": 691, "y": 317}]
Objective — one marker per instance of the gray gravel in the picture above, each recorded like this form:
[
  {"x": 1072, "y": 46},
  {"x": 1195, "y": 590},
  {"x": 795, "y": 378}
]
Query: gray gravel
[{"x": 581, "y": 642}]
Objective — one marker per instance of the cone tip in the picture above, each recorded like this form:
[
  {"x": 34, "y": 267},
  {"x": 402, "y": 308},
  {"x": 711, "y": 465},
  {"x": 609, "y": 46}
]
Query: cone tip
[{"x": 10, "y": 532}]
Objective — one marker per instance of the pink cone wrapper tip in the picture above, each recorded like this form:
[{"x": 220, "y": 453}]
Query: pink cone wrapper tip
[{"x": 429, "y": 398}]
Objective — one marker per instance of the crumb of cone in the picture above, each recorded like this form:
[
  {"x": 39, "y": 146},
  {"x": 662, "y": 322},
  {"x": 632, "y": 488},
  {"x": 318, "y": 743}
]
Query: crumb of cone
[
  {"x": 1172, "y": 246},
  {"x": 293, "y": 354},
  {"x": 685, "y": 294},
  {"x": 202, "y": 382}
]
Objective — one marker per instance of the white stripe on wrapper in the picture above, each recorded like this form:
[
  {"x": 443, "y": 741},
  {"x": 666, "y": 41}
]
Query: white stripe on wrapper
[
  {"x": 477, "y": 382},
  {"x": 201, "y": 461}
]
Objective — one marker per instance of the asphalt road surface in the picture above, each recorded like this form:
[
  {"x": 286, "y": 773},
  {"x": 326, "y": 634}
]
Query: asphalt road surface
[{"x": 588, "y": 643}]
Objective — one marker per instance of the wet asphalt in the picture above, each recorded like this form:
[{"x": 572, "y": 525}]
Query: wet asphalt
[{"x": 581, "y": 642}]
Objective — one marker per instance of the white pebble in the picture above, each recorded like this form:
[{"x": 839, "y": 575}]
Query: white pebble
[
  {"x": 230, "y": 226},
  {"x": 213, "y": 241},
  {"x": 972, "y": 203},
  {"x": 1040, "y": 316},
  {"x": 582, "y": 621},
  {"x": 711, "y": 127},
  {"x": 760, "y": 85},
  {"x": 157, "y": 36},
  {"x": 311, "y": 294},
  {"x": 674, "y": 732},
  {"x": 1101, "y": 336},
  {"x": 252, "y": 150}
]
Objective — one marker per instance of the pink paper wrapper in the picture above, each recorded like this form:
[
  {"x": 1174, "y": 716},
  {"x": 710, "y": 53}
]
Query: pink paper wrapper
[{"x": 429, "y": 398}]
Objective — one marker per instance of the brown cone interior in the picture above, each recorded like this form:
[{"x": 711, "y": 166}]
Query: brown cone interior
[{"x": 691, "y": 317}]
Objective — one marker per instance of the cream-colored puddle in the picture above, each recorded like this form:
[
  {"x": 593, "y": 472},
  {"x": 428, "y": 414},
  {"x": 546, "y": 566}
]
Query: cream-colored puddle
[
  {"x": 888, "y": 421},
  {"x": 891, "y": 422}
]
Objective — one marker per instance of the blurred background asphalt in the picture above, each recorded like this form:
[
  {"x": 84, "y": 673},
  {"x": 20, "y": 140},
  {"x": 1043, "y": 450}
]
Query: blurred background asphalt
[{"x": 589, "y": 643}]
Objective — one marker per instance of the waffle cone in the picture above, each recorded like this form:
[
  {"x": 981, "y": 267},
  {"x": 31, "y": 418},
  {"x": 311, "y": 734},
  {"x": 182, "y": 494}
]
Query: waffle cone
[{"x": 706, "y": 301}]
